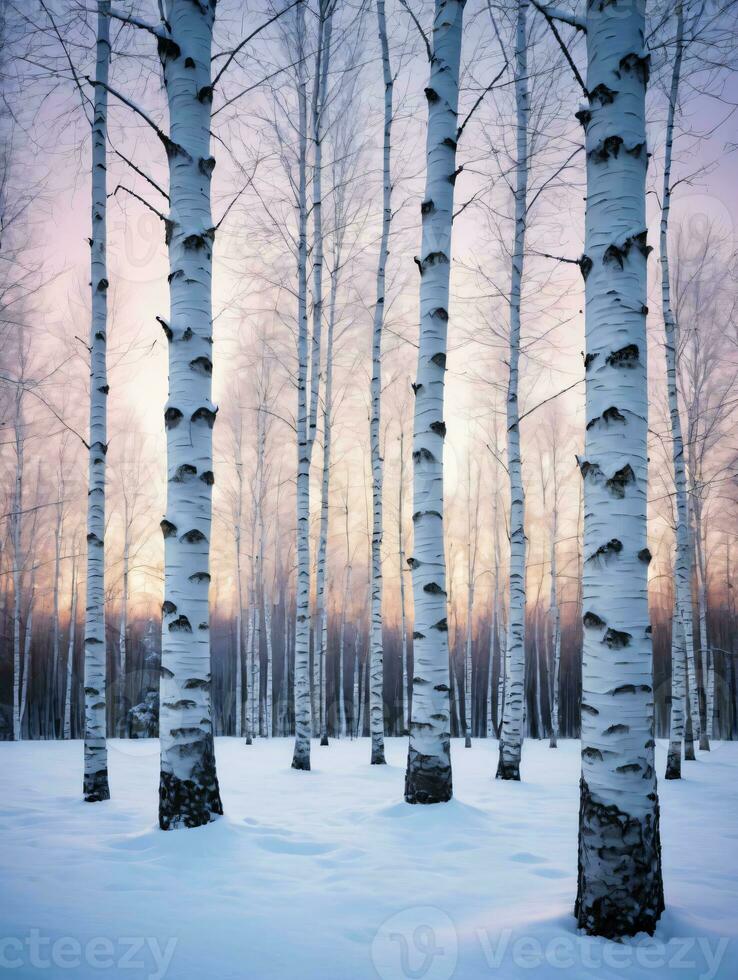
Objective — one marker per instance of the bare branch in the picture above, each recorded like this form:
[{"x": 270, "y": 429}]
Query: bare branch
[{"x": 422, "y": 33}]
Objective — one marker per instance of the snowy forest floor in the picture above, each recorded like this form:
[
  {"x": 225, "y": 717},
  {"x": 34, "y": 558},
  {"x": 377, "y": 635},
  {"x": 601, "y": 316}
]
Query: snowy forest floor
[{"x": 328, "y": 875}]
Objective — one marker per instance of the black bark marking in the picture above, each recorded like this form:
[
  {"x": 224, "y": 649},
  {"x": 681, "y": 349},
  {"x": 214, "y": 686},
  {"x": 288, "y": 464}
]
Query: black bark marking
[
  {"x": 644, "y": 555},
  {"x": 193, "y": 536},
  {"x": 608, "y": 148},
  {"x": 592, "y": 621},
  {"x": 208, "y": 477},
  {"x": 439, "y": 428},
  {"x": 433, "y": 588},
  {"x": 617, "y": 730},
  {"x": 620, "y": 480},
  {"x": 439, "y": 359},
  {"x": 627, "y": 356},
  {"x": 167, "y": 528},
  {"x": 167, "y": 48},
  {"x": 602, "y": 94},
  {"x": 204, "y": 414},
  {"x": 180, "y": 625},
  {"x": 202, "y": 365},
  {"x": 613, "y": 547},
  {"x": 616, "y": 639},
  {"x": 172, "y": 418},
  {"x": 638, "y": 65},
  {"x": 431, "y": 95},
  {"x": 206, "y": 165},
  {"x": 184, "y": 473},
  {"x": 167, "y": 608}
]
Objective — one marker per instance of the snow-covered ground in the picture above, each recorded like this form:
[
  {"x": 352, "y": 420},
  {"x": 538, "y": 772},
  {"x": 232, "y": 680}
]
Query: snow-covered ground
[{"x": 329, "y": 875}]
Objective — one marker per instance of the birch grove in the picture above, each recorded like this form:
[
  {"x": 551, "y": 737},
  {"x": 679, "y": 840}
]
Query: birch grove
[{"x": 189, "y": 591}]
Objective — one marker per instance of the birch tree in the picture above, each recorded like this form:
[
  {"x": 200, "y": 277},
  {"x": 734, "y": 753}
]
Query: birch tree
[
  {"x": 511, "y": 736},
  {"x": 405, "y": 704},
  {"x": 428, "y": 775},
  {"x": 682, "y": 639},
  {"x": 620, "y": 888},
  {"x": 301, "y": 754},
  {"x": 376, "y": 713},
  {"x": 95, "y": 754}
]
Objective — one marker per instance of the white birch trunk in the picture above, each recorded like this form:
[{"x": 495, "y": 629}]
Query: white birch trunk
[
  {"x": 513, "y": 720},
  {"x": 55, "y": 631},
  {"x": 188, "y": 793},
  {"x": 238, "y": 698},
  {"x": 320, "y": 652},
  {"x": 249, "y": 674},
  {"x": 301, "y": 755},
  {"x": 269, "y": 699},
  {"x": 705, "y": 657},
  {"x": 428, "y": 776},
  {"x": 620, "y": 889},
  {"x": 342, "y": 722},
  {"x": 70, "y": 653},
  {"x": 356, "y": 711},
  {"x": 16, "y": 529},
  {"x": 555, "y": 614},
  {"x": 123, "y": 634},
  {"x": 376, "y": 711},
  {"x": 27, "y": 640},
  {"x": 95, "y": 752},
  {"x": 403, "y": 613},
  {"x": 682, "y": 645},
  {"x": 676, "y": 720}
]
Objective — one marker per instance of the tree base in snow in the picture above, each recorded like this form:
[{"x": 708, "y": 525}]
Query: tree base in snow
[
  {"x": 674, "y": 761},
  {"x": 301, "y": 755},
  {"x": 507, "y": 768},
  {"x": 96, "y": 787},
  {"x": 704, "y": 742},
  {"x": 689, "y": 755},
  {"x": 467, "y": 742},
  {"x": 378, "y": 758},
  {"x": 249, "y": 740},
  {"x": 552, "y": 744},
  {"x": 191, "y": 802},
  {"x": 620, "y": 888},
  {"x": 428, "y": 778},
  {"x": 323, "y": 739}
]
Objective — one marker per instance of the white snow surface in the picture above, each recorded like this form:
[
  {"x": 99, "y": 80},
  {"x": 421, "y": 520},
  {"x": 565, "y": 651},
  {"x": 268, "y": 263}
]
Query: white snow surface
[{"x": 329, "y": 875}]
